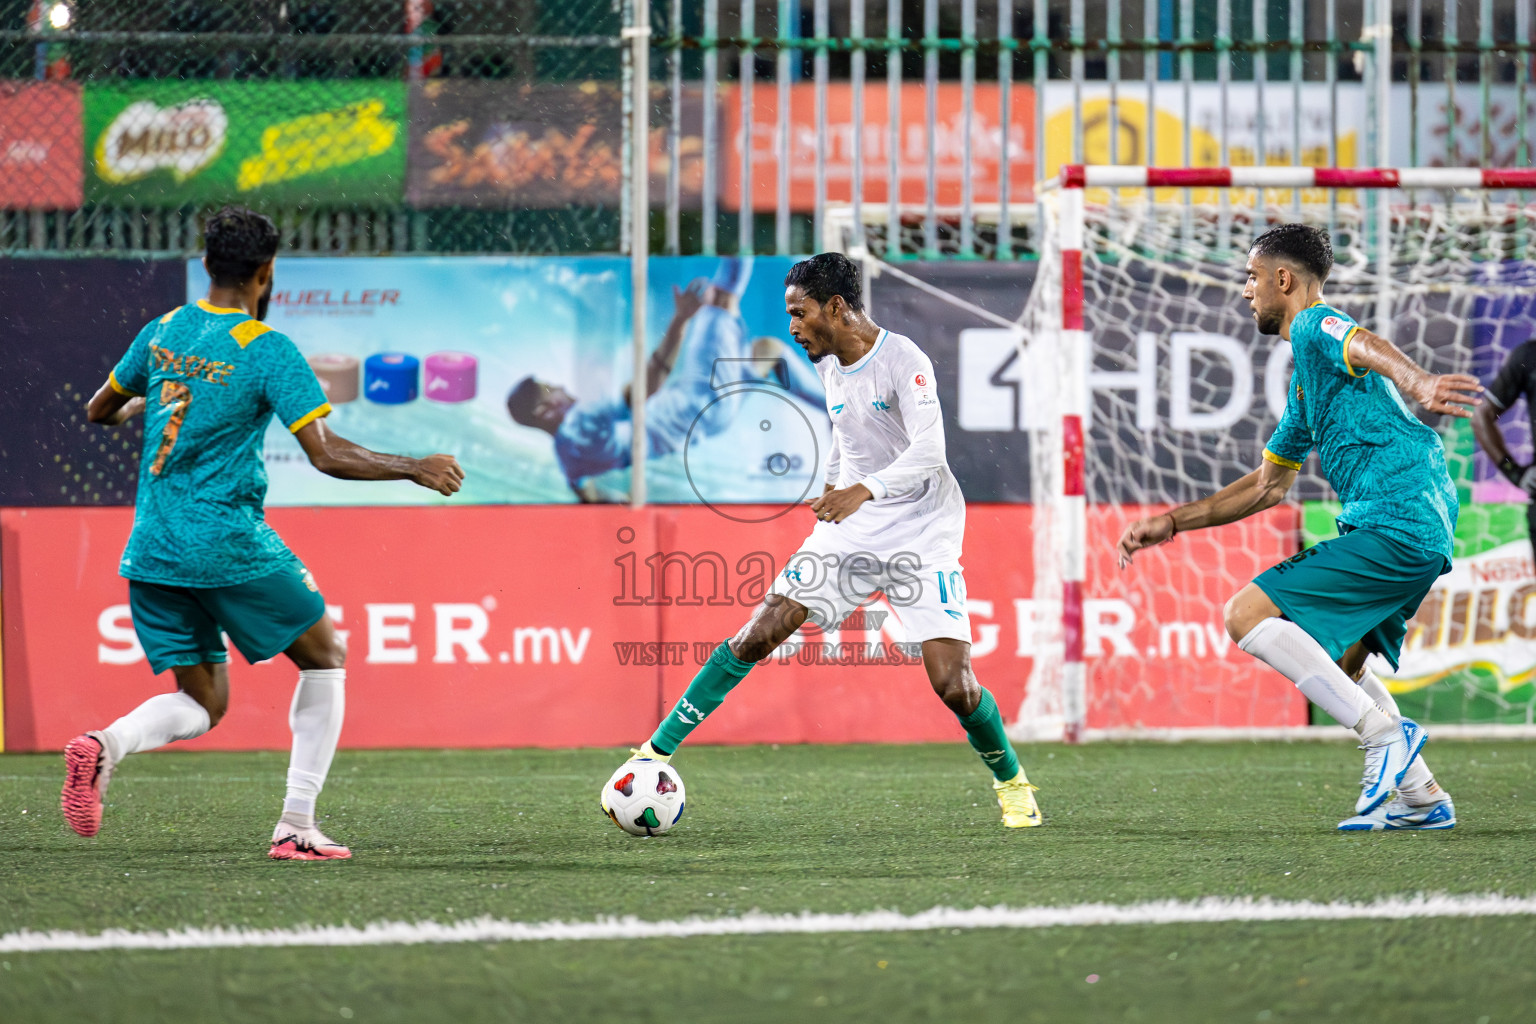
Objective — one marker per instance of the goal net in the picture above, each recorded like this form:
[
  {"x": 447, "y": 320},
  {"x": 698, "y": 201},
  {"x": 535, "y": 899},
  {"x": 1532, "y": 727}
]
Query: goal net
[{"x": 1145, "y": 384}]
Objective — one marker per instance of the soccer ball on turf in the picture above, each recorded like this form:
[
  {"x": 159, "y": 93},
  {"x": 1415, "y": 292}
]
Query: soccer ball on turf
[{"x": 644, "y": 797}]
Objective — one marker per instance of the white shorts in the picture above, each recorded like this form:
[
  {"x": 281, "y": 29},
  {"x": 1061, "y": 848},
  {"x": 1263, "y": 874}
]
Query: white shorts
[{"x": 927, "y": 597}]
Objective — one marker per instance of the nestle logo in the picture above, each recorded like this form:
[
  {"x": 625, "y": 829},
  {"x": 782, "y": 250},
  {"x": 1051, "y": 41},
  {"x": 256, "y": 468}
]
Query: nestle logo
[{"x": 327, "y": 297}]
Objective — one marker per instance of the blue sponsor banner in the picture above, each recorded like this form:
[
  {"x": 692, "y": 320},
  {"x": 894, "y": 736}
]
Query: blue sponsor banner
[{"x": 521, "y": 368}]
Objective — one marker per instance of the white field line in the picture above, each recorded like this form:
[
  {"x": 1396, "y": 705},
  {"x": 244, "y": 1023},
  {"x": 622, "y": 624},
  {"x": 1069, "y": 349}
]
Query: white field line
[
  {"x": 392, "y": 933},
  {"x": 1303, "y": 732}
]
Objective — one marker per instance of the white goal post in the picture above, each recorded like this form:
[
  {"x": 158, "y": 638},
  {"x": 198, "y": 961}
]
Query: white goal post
[{"x": 1144, "y": 264}]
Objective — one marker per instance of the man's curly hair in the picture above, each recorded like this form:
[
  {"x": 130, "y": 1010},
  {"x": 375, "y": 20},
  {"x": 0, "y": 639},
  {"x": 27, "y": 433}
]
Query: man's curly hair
[
  {"x": 238, "y": 241},
  {"x": 1306, "y": 248}
]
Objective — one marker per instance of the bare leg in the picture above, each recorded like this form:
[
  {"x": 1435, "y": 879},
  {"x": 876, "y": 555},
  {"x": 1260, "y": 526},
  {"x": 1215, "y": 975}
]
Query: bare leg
[
  {"x": 948, "y": 663},
  {"x": 208, "y": 684},
  {"x": 774, "y": 621}
]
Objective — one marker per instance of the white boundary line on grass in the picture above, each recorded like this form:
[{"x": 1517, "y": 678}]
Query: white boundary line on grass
[
  {"x": 395, "y": 933},
  {"x": 1289, "y": 733}
]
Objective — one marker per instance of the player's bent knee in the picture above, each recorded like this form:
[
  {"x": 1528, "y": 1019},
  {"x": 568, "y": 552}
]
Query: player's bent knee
[
  {"x": 1245, "y": 610},
  {"x": 335, "y": 656},
  {"x": 750, "y": 646},
  {"x": 959, "y": 691},
  {"x": 213, "y": 702},
  {"x": 1233, "y": 620}
]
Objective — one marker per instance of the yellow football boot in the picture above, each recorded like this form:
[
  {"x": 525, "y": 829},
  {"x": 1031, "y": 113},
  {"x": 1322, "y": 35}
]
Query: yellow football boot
[
  {"x": 1017, "y": 798},
  {"x": 646, "y": 752}
]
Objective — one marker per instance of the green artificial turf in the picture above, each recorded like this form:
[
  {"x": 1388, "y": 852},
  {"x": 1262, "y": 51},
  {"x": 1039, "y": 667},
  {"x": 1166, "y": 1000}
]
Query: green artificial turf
[{"x": 517, "y": 834}]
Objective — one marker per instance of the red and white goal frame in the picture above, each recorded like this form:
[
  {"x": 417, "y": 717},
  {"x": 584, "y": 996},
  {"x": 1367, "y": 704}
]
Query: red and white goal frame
[
  {"x": 1081, "y": 176},
  {"x": 1065, "y": 315}
]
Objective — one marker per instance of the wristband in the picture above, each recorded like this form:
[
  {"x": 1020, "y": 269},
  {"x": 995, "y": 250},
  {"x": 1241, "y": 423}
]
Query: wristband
[{"x": 1173, "y": 523}]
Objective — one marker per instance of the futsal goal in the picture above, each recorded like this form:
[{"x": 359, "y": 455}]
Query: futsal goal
[{"x": 1143, "y": 383}]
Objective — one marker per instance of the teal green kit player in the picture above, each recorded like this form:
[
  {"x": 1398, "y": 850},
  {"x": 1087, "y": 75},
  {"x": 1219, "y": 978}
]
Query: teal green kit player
[
  {"x": 213, "y": 378},
  {"x": 1317, "y": 616},
  {"x": 202, "y": 561}
]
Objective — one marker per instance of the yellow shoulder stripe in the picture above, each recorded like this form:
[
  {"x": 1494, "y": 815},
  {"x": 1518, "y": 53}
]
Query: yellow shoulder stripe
[
  {"x": 1348, "y": 366},
  {"x": 112, "y": 381},
  {"x": 1278, "y": 460},
  {"x": 249, "y": 331},
  {"x": 310, "y": 417},
  {"x": 167, "y": 318}
]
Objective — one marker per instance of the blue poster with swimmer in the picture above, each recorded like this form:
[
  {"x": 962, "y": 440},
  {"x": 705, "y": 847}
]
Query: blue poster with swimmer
[{"x": 521, "y": 367}]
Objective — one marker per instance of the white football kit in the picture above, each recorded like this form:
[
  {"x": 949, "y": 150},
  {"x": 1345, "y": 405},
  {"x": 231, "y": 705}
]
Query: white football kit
[{"x": 888, "y": 434}]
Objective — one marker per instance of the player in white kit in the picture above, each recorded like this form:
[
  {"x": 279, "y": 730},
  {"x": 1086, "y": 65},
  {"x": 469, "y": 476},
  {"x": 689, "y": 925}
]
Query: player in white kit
[{"x": 890, "y": 519}]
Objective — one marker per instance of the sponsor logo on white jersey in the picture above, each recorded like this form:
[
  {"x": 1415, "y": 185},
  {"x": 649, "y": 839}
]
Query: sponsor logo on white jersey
[{"x": 922, "y": 388}]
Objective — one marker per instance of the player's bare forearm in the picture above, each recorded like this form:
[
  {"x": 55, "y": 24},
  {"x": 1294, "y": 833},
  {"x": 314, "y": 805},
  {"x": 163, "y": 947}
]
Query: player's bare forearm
[
  {"x": 110, "y": 407},
  {"x": 334, "y": 455},
  {"x": 1454, "y": 394},
  {"x": 1262, "y": 489}
]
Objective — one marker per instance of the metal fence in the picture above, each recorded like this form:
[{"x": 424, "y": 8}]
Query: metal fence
[{"x": 502, "y": 125}]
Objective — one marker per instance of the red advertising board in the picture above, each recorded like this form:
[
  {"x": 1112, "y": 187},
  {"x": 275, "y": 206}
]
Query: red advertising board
[
  {"x": 538, "y": 626},
  {"x": 947, "y": 144},
  {"x": 41, "y": 165}
]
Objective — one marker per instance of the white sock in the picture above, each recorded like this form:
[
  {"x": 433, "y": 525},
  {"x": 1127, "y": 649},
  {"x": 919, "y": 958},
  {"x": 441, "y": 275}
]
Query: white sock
[
  {"x": 160, "y": 720},
  {"x": 1418, "y": 786},
  {"x": 319, "y": 704},
  {"x": 1286, "y": 648},
  {"x": 1377, "y": 690}
]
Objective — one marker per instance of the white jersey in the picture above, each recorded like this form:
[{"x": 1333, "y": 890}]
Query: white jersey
[{"x": 888, "y": 434}]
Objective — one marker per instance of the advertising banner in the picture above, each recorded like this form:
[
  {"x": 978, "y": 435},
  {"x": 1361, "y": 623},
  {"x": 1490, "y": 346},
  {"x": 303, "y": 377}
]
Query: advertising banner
[
  {"x": 520, "y": 367},
  {"x": 1162, "y": 143},
  {"x": 1447, "y": 125},
  {"x": 1470, "y": 652},
  {"x": 40, "y": 147},
  {"x": 515, "y": 626},
  {"x": 188, "y": 142},
  {"x": 502, "y": 145},
  {"x": 947, "y": 144},
  {"x": 977, "y": 367},
  {"x": 67, "y": 322}
]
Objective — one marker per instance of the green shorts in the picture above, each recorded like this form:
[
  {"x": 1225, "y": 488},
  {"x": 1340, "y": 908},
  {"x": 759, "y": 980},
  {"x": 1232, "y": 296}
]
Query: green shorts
[
  {"x": 264, "y": 616},
  {"x": 1362, "y": 585}
]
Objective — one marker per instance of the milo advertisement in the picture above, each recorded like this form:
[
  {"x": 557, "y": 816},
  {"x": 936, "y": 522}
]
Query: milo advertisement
[
  {"x": 1470, "y": 652},
  {"x": 178, "y": 143}
]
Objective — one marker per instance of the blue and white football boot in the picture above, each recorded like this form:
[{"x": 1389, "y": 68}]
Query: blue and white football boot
[
  {"x": 1397, "y": 816},
  {"x": 1387, "y": 763}
]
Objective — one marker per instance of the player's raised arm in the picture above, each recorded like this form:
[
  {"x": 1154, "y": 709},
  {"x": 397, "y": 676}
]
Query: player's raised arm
[
  {"x": 1455, "y": 394},
  {"x": 334, "y": 455},
  {"x": 1264, "y": 488}
]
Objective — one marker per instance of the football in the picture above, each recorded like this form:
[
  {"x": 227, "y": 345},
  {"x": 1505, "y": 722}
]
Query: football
[{"x": 644, "y": 797}]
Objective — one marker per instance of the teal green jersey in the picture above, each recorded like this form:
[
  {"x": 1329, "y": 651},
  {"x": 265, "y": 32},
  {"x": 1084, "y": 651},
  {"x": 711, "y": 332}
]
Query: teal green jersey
[
  {"x": 212, "y": 379},
  {"x": 1388, "y": 468}
]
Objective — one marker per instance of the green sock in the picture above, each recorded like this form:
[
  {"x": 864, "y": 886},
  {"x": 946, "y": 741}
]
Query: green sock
[
  {"x": 717, "y": 678},
  {"x": 984, "y": 728}
]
